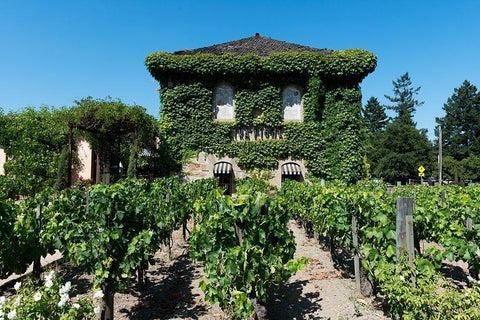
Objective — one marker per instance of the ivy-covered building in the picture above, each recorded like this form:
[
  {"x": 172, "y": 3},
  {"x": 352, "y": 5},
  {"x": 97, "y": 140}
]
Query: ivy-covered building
[{"x": 260, "y": 103}]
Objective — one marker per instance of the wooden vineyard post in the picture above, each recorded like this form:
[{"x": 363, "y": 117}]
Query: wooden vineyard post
[
  {"x": 410, "y": 245},
  {"x": 410, "y": 236},
  {"x": 356, "y": 259},
  {"x": 238, "y": 232},
  {"x": 107, "y": 301},
  {"x": 169, "y": 245},
  {"x": 184, "y": 231},
  {"x": 87, "y": 206},
  {"x": 443, "y": 196},
  {"x": 469, "y": 224},
  {"x": 37, "y": 266},
  {"x": 405, "y": 235},
  {"x": 416, "y": 242},
  {"x": 404, "y": 209},
  {"x": 141, "y": 279},
  {"x": 332, "y": 248}
]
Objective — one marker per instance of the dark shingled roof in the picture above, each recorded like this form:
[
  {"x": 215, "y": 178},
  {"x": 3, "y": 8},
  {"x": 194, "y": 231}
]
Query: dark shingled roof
[{"x": 257, "y": 44}]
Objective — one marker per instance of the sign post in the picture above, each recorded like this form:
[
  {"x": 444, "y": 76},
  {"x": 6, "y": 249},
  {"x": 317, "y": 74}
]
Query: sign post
[
  {"x": 421, "y": 173},
  {"x": 440, "y": 155}
]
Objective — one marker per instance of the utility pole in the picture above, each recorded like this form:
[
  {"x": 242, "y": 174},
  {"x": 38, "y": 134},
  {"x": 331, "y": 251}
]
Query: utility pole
[{"x": 440, "y": 155}]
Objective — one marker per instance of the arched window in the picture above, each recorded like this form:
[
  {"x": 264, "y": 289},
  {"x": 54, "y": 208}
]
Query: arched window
[
  {"x": 292, "y": 104},
  {"x": 223, "y": 103},
  {"x": 291, "y": 171},
  {"x": 224, "y": 172}
]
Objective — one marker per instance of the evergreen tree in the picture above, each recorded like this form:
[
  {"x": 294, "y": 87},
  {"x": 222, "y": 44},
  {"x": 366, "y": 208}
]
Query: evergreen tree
[
  {"x": 472, "y": 167},
  {"x": 405, "y": 104},
  {"x": 461, "y": 123},
  {"x": 375, "y": 122},
  {"x": 375, "y": 117},
  {"x": 375, "y": 151},
  {"x": 402, "y": 148}
]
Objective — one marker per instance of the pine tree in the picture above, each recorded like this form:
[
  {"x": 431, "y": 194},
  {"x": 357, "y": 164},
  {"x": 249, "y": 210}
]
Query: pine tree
[
  {"x": 405, "y": 104},
  {"x": 402, "y": 148},
  {"x": 461, "y": 123},
  {"x": 375, "y": 117},
  {"x": 375, "y": 121}
]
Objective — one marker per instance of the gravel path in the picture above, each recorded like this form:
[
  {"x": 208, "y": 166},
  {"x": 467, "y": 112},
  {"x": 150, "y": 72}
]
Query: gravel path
[{"x": 319, "y": 291}]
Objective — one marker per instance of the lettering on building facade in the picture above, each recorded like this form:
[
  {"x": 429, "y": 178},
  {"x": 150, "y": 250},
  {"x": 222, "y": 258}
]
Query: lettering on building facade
[{"x": 256, "y": 133}]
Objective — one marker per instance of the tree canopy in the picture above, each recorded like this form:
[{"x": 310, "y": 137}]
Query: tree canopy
[
  {"x": 36, "y": 140},
  {"x": 396, "y": 152},
  {"x": 375, "y": 117},
  {"x": 402, "y": 149},
  {"x": 33, "y": 141},
  {"x": 113, "y": 128},
  {"x": 403, "y": 99},
  {"x": 461, "y": 133},
  {"x": 105, "y": 120},
  {"x": 461, "y": 123}
]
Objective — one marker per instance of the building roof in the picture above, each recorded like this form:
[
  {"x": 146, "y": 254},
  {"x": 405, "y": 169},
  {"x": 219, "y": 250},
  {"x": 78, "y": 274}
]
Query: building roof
[{"x": 257, "y": 44}]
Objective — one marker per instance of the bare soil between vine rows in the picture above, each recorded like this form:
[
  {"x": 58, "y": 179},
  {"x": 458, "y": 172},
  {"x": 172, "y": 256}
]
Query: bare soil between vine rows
[{"x": 319, "y": 291}]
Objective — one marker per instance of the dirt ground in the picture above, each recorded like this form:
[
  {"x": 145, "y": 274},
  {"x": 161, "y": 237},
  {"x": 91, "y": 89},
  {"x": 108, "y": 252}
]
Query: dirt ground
[{"x": 317, "y": 292}]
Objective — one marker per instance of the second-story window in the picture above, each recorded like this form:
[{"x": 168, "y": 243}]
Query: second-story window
[
  {"x": 292, "y": 104},
  {"x": 223, "y": 103}
]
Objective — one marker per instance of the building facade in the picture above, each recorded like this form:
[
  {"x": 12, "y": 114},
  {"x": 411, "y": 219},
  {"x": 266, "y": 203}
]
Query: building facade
[
  {"x": 263, "y": 104},
  {"x": 3, "y": 159}
]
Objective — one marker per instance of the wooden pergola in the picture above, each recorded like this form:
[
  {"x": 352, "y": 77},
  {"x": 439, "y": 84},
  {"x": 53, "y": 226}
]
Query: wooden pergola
[
  {"x": 105, "y": 122},
  {"x": 123, "y": 129}
]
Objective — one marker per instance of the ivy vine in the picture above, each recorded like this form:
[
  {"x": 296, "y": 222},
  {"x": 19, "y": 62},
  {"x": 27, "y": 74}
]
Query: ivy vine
[{"x": 330, "y": 139}]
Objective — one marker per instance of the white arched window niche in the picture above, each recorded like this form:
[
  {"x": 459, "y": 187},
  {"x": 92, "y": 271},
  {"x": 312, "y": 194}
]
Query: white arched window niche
[
  {"x": 292, "y": 103},
  {"x": 223, "y": 103}
]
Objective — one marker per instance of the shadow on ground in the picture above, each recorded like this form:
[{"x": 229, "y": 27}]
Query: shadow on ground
[
  {"x": 170, "y": 297},
  {"x": 456, "y": 273},
  {"x": 288, "y": 303},
  {"x": 342, "y": 258},
  {"x": 80, "y": 282}
]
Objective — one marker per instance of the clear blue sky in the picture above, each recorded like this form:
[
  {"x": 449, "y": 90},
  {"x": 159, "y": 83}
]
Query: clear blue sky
[{"x": 53, "y": 52}]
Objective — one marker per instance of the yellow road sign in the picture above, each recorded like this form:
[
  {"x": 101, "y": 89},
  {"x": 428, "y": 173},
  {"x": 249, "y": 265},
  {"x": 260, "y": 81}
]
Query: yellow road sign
[
  {"x": 421, "y": 169},
  {"x": 421, "y": 174}
]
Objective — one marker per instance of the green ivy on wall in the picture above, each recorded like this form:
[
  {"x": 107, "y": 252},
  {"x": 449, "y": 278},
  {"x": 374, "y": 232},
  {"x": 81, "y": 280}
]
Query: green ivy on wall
[
  {"x": 330, "y": 139},
  {"x": 265, "y": 99},
  {"x": 352, "y": 63}
]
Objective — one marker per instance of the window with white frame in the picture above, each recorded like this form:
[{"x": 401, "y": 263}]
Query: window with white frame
[
  {"x": 223, "y": 103},
  {"x": 292, "y": 104}
]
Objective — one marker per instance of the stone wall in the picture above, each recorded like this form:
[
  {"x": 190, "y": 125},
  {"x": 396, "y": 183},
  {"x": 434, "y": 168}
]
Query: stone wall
[{"x": 85, "y": 157}]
